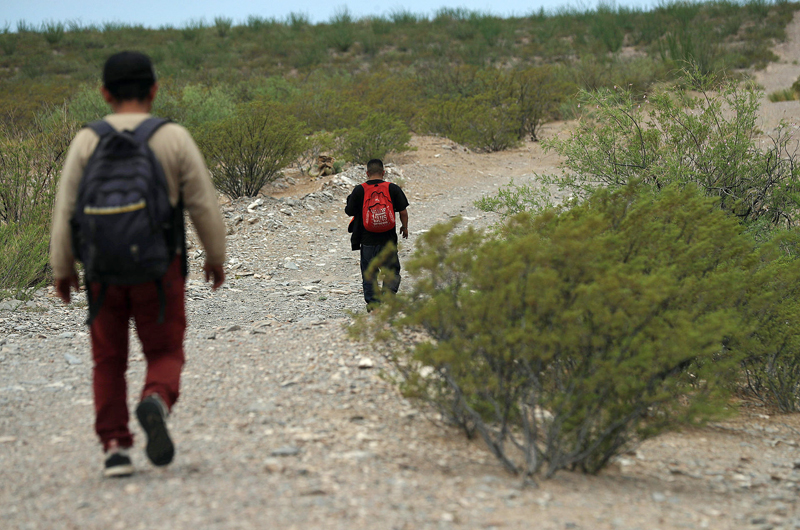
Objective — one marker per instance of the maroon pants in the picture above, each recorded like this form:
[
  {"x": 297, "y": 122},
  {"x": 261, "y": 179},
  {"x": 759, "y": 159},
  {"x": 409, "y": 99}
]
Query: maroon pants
[{"x": 162, "y": 345}]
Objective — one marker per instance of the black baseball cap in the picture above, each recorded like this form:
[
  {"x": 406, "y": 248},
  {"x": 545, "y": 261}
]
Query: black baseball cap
[{"x": 125, "y": 67}]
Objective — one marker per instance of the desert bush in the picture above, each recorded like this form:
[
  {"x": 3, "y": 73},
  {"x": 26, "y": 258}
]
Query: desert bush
[
  {"x": 477, "y": 122},
  {"x": 328, "y": 109},
  {"x": 513, "y": 199},
  {"x": 572, "y": 334},
  {"x": 8, "y": 42},
  {"x": 249, "y": 149},
  {"x": 223, "y": 26},
  {"x": 87, "y": 105},
  {"x": 375, "y": 137},
  {"x": 30, "y": 164},
  {"x": 53, "y": 31},
  {"x": 540, "y": 94},
  {"x": 202, "y": 104},
  {"x": 709, "y": 140},
  {"x": 771, "y": 352},
  {"x": 24, "y": 254},
  {"x": 341, "y": 34}
]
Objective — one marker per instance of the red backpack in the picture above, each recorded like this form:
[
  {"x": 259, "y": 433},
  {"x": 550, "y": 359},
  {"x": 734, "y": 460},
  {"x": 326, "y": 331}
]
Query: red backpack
[{"x": 377, "y": 212}]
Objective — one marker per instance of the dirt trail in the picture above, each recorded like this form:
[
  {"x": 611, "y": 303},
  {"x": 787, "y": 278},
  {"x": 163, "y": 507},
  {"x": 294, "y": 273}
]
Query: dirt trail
[{"x": 282, "y": 424}]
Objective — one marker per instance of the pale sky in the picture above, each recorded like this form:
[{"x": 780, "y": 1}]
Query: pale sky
[{"x": 157, "y": 13}]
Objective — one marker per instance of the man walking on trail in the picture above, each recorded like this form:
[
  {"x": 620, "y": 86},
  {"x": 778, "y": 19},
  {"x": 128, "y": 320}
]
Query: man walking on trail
[
  {"x": 373, "y": 205},
  {"x": 157, "y": 307}
]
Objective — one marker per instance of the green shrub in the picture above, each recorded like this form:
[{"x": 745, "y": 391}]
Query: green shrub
[
  {"x": 53, "y": 31},
  {"x": 202, "y": 104},
  {"x": 24, "y": 254},
  {"x": 342, "y": 30},
  {"x": 573, "y": 334},
  {"x": 248, "y": 149},
  {"x": 710, "y": 141},
  {"x": 223, "y": 26},
  {"x": 477, "y": 121},
  {"x": 30, "y": 164},
  {"x": 540, "y": 94},
  {"x": 8, "y": 43},
  {"x": 87, "y": 105},
  {"x": 375, "y": 137},
  {"x": 772, "y": 351}
]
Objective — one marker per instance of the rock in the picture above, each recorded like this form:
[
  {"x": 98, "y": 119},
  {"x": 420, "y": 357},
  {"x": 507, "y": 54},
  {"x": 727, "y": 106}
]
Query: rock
[
  {"x": 288, "y": 450},
  {"x": 273, "y": 465},
  {"x": 210, "y": 336},
  {"x": 365, "y": 363},
  {"x": 71, "y": 359},
  {"x": 255, "y": 204},
  {"x": 7, "y": 439},
  {"x": 659, "y": 497},
  {"x": 291, "y": 266},
  {"x": 67, "y": 335},
  {"x": 235, "y": 327}
]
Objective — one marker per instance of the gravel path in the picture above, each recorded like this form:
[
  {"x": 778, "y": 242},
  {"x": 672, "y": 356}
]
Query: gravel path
[{"x": 286, "y": 423}]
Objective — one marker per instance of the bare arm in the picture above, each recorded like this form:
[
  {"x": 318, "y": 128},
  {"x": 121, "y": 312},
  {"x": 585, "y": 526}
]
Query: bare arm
[{"x": 404, "y": 223}]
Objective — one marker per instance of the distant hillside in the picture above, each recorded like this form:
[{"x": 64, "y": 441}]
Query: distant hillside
[{"x": 48, "y": 64}]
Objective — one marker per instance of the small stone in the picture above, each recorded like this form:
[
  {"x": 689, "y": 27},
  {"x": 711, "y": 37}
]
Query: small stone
[
  {"x": 67, "y": 335},
  {"x": 210, "y": 336},
  {"x": 273, "y": 465},
  {"x": 235, "y": 327},
  {"x": 659, "y": 497},
  {"x": 255, "y": 204},
  {"x": 71, "y": 359},
  {"x": 7, "y": 439},
  {"x": 365, "y": 363},
  {"x": 288, "y": 450},
  {"x": 291, "y": 266},
  {"x": 448, "y": 517}
]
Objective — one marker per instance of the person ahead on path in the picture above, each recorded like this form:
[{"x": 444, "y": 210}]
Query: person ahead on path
[
  {"x": 371, "y": 234},
  {"x": 157, "y": 307}
]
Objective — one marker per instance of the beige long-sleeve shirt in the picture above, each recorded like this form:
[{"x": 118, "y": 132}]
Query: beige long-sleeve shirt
[{"x": 186, "y": 174}]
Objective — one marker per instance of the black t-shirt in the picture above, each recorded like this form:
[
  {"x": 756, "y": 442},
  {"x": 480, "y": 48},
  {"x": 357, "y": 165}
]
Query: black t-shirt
[{"x": 356, "y": 201}]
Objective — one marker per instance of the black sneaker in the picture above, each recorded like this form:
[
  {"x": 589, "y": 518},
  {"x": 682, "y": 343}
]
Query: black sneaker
[
  {"x": 152, "y": 414},
  {"x": 118, "y": 464}
]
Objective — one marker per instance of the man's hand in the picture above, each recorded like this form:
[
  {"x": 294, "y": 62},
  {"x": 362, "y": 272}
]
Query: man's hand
[
  {"x": 217, "y": 273},
  {"x": 63, "y": 286},
  {"x": 404, "y": 223}
]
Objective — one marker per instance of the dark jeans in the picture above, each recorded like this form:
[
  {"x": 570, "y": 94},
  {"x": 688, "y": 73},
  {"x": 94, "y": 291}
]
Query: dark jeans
[{"x": 390, "y": 264}]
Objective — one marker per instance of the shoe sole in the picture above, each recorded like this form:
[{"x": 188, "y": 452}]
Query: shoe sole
[
  {"x": 160, "y": 449},
  {"x": 118, "y": 471}
]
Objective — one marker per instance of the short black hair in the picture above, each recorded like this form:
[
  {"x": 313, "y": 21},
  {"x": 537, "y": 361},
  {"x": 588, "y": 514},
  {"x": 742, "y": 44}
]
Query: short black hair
[
  {"x": 375, "y": 166},
  {"x": 129, "y": 75},
  {"x": 138, "y": 90}
]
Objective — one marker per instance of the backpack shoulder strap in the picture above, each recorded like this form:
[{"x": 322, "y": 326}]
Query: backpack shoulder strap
[
  {"x": 147, "y": 128},
  {"x": 100, "y": 127}
]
